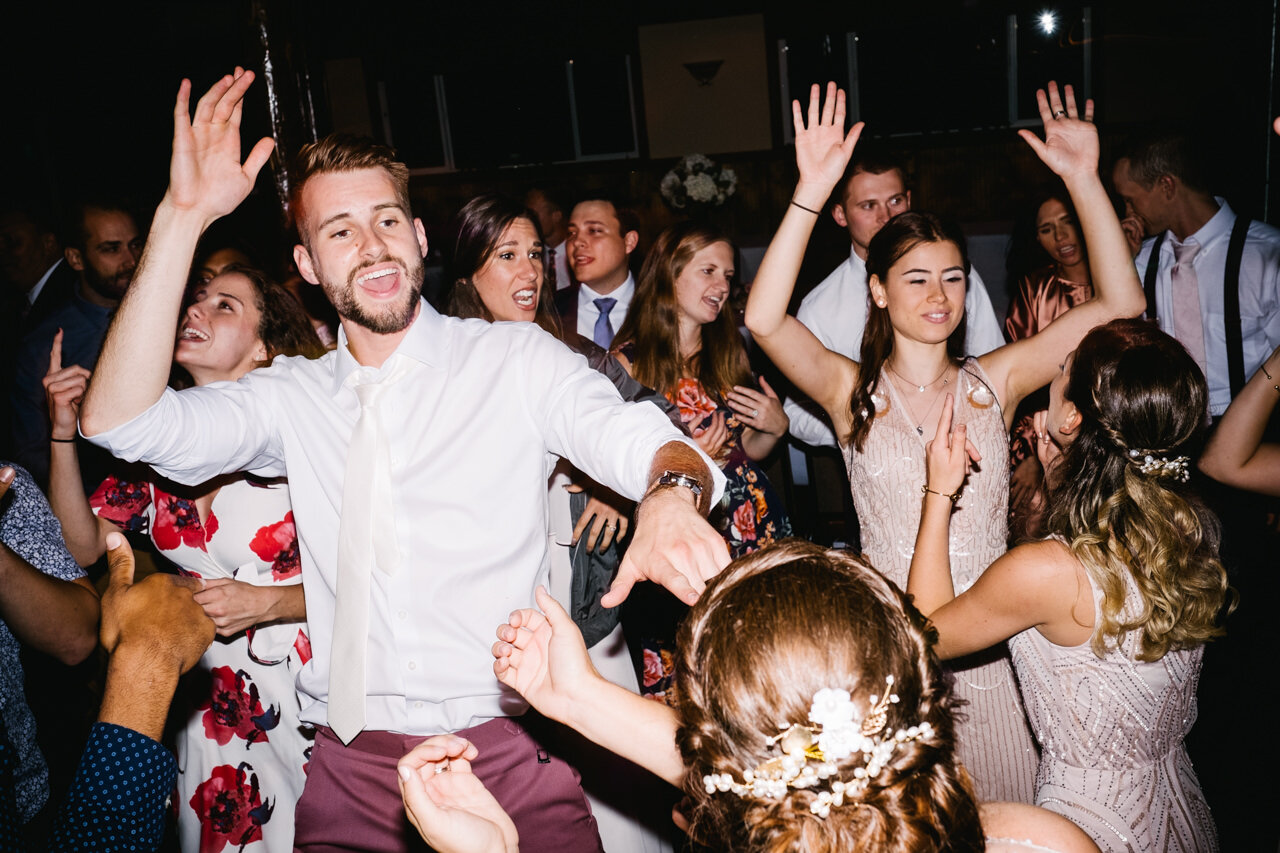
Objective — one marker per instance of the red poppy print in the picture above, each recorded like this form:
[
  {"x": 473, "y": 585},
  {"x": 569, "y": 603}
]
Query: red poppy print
[
  {"x": 694, "y": 404},
  {"x": 230, "y": 808},
  {"x": 302, "y": 646},
  {"x": 178, "y": 523},
  {"x": 235, "y": 710},
  {"x": 277, "y": 544},
  {"x": 744, "y": 522},
  {"x": 123, "y": 504}
]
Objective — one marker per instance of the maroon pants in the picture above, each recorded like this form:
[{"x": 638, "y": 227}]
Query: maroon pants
[{"x": 352, "y": 797}]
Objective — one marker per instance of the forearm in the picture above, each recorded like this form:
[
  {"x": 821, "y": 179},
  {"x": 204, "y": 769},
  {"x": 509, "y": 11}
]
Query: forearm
[
  {"x": 140, "y": 686},
  {"x": 774, "y": 283},
  {"x": 929, "y": 582},
  {"x": 1115, "y": 279},
  {"x": 80, "y": 527},
  {"x": 758, "y": 444},
  {"x": 286, "y": 604},
  {"x": 54, "y": 616},
  {"x": 678, "y": 457},
  {"x": 640, "y": 730},
  {"x": 133, "y": 368},
  {"x": 1235, "y": 454}
]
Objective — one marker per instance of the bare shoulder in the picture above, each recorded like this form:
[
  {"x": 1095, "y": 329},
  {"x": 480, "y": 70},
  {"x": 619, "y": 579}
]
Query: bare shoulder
[{"x": 1014, "y": 827}]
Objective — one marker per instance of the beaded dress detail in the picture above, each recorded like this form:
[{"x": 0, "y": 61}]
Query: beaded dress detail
[
  {"x": 1112, "y": 731},
  {"x": 995, "y": 743}
]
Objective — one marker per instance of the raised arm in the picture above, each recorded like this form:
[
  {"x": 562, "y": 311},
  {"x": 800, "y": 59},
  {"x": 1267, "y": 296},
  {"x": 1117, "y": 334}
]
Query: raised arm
[
  {"x": 1236, "y": 454},
  {"x": 1070, "y": 149},
  {"x": 822, "y": 152},
  {"x": 206, "y": 180}
]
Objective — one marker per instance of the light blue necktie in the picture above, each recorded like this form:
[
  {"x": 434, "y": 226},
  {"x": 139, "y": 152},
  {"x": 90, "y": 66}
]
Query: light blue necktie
[{"x": 603, "y": 332}]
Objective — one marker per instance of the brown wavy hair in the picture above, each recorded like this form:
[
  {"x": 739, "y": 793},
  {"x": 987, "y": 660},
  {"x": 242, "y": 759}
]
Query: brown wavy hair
[
  {"x": 475, "y": 232},
  {"x": 653, "y": 325},
  {"x": 1139, "y": 392},
  {"x": 283, "y": 325},
  {"x": 899, "y": 235},
  {"x": 769, "y": 632}
]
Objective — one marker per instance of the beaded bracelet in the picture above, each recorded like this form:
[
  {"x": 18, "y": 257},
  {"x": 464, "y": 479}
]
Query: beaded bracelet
[{"x": 925, "y": 490}]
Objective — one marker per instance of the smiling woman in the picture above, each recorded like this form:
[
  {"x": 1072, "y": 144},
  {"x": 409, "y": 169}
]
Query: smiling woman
[{"x": 240, "y": 738}]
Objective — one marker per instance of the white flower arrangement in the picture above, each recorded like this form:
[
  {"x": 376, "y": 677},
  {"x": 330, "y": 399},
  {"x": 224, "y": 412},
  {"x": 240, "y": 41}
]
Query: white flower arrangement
[{"x": 696, "y": 180}]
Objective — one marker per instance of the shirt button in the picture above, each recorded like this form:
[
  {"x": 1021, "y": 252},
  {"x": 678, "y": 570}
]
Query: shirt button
[
  {"x": 417, "y": 704},
  {"x": 403, "y": 614},
  {"x": 412, "y": 665}
]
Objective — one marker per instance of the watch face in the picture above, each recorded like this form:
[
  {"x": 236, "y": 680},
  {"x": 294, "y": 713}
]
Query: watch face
[{"x": 672, "y": 478}]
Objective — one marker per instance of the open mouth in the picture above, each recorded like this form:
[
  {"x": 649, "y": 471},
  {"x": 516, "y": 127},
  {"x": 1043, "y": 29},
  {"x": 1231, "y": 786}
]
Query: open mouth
[
  {"x": 938, "y": 316},
  {"x": 381, "y": 281},
  {"x": 191, "y": 333},
  {"x": 526, "y": 299}
]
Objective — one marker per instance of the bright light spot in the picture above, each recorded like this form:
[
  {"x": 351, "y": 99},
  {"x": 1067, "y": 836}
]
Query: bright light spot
[{"x": 1048, "y": 22}]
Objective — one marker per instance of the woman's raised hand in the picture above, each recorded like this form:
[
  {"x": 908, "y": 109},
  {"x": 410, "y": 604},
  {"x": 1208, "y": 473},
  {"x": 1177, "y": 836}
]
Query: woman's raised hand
[
  {"x": 64, "y": 389},
  {"x": 541, "y": 655},
  {"x": 1070, "y": 146},
  {"x": 949, "y": 455},
  {"x": 823, "y": 148}
]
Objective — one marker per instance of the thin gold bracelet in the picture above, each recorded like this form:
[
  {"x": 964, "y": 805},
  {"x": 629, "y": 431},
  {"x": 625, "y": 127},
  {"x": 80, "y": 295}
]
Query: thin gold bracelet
[{"x": 925, "y": 490}]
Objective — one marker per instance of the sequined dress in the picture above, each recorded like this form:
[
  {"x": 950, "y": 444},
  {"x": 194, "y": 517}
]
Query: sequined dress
[
  {"x": 1112, "y": 731},
  {"x": 995, "y": 743}
]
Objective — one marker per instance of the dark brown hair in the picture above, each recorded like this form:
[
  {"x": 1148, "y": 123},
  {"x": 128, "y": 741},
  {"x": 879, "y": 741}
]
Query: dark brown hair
[
  {"x": 899, "y": 235},
  {"x": 475, "y": 231},
  {"x": 771, "y": 631},
  {"x": 283, "y": 325},
  {"x": 653, "y": 325},
  {"x": 1139, "y": 393}
]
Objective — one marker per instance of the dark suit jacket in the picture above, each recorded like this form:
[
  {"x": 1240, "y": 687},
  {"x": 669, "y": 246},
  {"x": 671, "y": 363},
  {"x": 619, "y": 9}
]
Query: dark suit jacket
[{"x": 567, "y": 308}]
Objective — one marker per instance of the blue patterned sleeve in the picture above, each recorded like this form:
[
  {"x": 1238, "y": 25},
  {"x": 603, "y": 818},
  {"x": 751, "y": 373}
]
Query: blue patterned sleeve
[
  {"x": 117, "y": 801},
  {"x": 31, "y": 530}
]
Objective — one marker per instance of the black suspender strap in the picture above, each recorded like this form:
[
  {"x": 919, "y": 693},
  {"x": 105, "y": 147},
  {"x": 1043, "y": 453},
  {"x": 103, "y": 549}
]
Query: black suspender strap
[
  {"x": 1231, "y": 305},
  {"x": 1149, "y": 277}
]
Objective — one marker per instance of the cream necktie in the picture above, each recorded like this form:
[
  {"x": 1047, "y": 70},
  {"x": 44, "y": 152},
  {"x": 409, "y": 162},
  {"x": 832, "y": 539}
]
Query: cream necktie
[
  {"x": 1188, "y": 325},
  {"x": 366, "y": 538}
]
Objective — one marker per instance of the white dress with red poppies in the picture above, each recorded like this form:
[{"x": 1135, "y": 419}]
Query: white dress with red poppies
[{"x": 242, "y": 751}]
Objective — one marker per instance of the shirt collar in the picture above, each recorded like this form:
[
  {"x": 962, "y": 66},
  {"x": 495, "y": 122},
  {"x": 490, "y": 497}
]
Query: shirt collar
[
  {"x": 424, "y": 343},
  {"x": 856, "y": 264},
  {"x": 1219, "y": 225},
  {"x": 34, "y": 293},
  {"x": 623, "y": 294}
]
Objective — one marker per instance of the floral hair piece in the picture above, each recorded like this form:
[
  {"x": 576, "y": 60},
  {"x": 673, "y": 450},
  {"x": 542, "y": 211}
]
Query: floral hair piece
[
  {"x": 810, "y": 753},
  {"x": 1179, "y": 467}
]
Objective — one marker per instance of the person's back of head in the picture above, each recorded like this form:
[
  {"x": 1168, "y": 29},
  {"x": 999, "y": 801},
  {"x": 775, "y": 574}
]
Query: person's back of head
[
  {"x": 1134, "y": 404},
  {"x": 815, "y": 644}
]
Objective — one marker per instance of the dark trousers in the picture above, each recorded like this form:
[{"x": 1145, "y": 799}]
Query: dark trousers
[{"x": 352, "y": 797}]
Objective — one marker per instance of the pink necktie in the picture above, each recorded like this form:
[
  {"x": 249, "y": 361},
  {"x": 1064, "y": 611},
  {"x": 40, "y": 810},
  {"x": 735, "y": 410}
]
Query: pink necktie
[{"x": 1188, "y": 326}]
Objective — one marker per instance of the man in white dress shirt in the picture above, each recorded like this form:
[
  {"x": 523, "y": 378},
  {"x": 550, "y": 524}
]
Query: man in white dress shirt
[
  {"x": 873, "y": 191},
  {"x": 602, "y": 236},
  {"x": 1166, "y": 193},
  {"x": 417, "y": 455}
]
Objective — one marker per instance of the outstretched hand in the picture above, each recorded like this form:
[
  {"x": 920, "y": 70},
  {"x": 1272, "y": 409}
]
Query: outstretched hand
[
  {"x": 205, "y": 173},
  {"x": 542, "y": 656},
  {"x": 1070, "y": 146},
  {"x": 672, "y": 545},
  {"x": 950, "y": 454},
  {"x": 823, "y": 148}
]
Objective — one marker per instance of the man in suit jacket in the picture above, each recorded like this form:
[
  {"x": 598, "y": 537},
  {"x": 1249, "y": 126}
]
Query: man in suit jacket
[{"x": 602, "y": 236}]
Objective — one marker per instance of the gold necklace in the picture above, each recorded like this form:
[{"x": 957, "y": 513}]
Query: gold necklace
[{"x": 920, "y": 388}]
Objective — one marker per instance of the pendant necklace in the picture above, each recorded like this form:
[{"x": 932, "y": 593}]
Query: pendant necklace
[{"x": 920, "y": 389}]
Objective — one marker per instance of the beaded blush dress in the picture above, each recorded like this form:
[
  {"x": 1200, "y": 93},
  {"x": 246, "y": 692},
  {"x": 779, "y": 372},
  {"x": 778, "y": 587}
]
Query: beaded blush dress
[
  {"x": 995, "y": 743},
  {"x": 1112, "y": 730}
]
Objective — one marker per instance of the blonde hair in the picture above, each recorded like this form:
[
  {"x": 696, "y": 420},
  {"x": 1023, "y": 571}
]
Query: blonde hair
[
  {"x": 768, "y": 633},
  {"x": 1139, "y": 393}
]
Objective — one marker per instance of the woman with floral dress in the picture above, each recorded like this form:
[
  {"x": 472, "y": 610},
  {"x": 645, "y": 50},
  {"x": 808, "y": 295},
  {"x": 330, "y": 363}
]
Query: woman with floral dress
[
  {"x": 241, "y": 749},
  {"x": 678, "y": 339}
]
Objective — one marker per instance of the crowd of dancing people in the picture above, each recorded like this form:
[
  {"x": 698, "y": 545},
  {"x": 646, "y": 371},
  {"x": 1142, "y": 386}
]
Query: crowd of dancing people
[{"x": 389, "y": 539}]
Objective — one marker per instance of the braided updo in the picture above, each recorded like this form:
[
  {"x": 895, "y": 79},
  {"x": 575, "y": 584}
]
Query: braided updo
[{"x": 767, "y": 634}]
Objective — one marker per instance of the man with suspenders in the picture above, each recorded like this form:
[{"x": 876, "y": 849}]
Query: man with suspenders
[{"x": 1213, "y": 282}]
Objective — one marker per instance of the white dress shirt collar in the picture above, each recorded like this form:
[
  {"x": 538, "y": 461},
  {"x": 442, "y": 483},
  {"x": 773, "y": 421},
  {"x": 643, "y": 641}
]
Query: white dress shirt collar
[
  {"x": 422, "y": 343},
  {"x": 34, "y": 293},
  {"x": 587, "y": 296}
]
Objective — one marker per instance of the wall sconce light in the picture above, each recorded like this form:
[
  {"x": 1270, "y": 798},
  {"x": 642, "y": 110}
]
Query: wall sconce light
[{"x": 704, "y": 72}]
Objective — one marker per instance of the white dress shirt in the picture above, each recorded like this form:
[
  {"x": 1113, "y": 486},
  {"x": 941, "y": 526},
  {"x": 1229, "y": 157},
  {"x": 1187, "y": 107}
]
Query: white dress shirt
[
  {"x": 1259, "y": 296},
  {"x": 588, "y": 313},
  {"x": 475, "y": 425},
  {"x": 836, "y": 312},
  {"x": 34, "y": 293}
]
